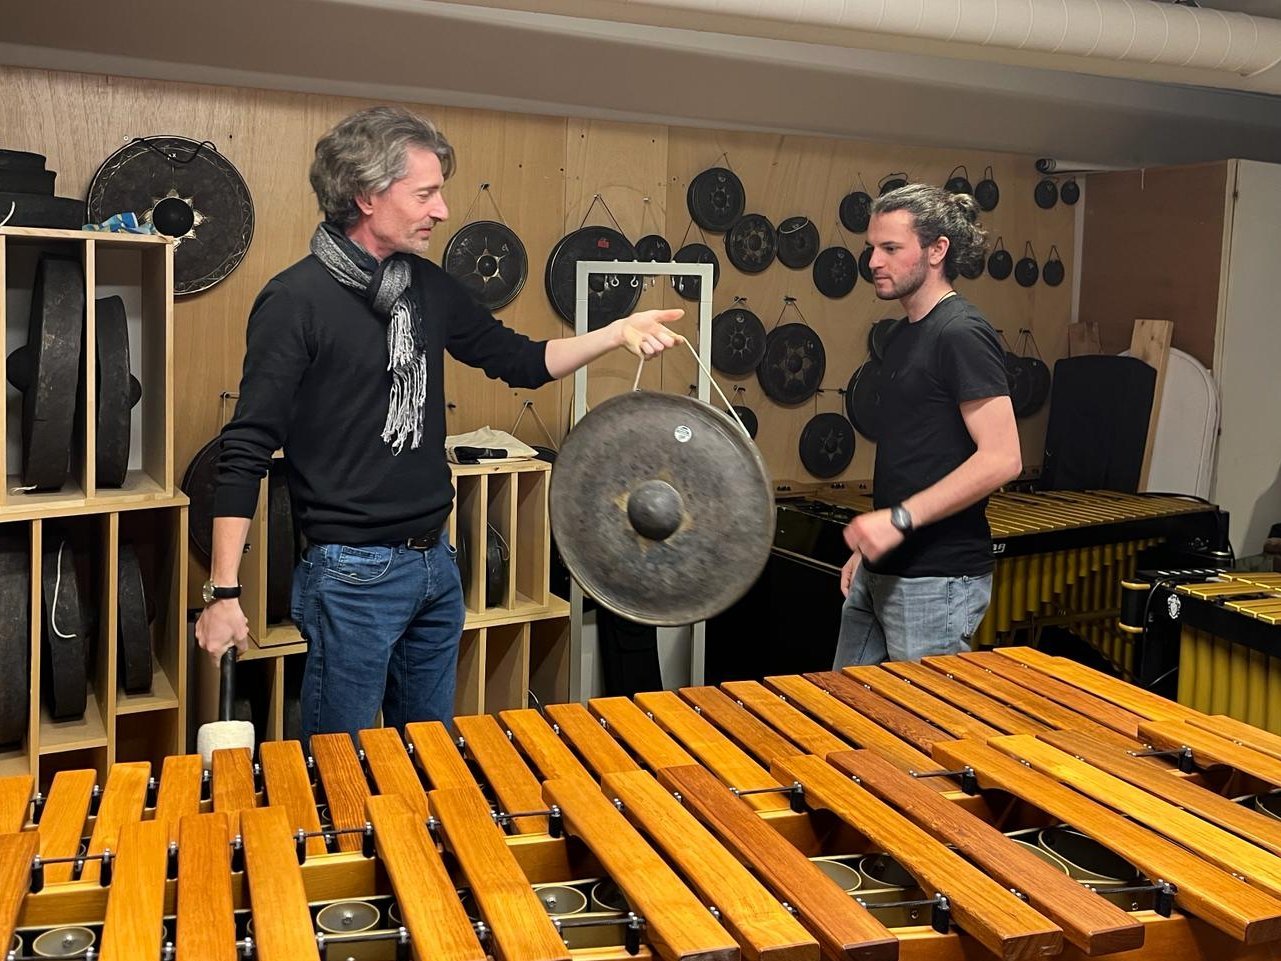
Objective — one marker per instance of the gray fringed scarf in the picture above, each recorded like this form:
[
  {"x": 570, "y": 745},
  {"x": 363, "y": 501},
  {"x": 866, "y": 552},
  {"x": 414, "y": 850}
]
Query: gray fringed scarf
[{"x": 386, "y": 289}]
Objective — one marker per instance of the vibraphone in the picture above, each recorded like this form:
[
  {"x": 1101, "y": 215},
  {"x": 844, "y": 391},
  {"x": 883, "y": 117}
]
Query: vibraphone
[
  {"x": 706, "y": 809},
  {"x": 1226, "y": 628},
  {"x": 1061, "y": 556}
]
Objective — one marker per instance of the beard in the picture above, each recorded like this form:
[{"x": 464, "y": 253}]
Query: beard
[{"x": 908, "y": 285}]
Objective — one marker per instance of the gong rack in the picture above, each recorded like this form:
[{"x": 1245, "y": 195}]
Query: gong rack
[{"x": 579, "y": 662}]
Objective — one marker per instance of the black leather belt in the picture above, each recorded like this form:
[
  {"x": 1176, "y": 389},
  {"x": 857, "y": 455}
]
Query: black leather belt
[{"x": 424, "y": 543}]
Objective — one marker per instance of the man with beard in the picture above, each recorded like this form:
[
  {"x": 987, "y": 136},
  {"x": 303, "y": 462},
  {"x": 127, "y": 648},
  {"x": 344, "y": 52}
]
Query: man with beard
[{"x": 920, "y": 577}]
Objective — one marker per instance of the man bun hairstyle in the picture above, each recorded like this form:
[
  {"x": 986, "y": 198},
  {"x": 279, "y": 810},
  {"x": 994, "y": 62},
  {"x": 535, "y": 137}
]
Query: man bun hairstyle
[{"x": 941, "y": 213}]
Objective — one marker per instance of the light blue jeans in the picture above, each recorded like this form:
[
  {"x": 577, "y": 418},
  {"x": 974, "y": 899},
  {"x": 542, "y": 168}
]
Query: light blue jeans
[
  {"x": 908, "y": 618},
  {"x": 382, "y": 623}
]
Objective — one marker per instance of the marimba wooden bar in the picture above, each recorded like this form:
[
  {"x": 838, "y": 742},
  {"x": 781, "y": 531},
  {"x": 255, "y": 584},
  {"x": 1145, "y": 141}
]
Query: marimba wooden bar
[{"x": 1003, "y": 804}]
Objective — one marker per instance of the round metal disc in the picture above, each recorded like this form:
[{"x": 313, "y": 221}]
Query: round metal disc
[
  {"x": 198, "y": 484},
  {"x": 653, "y": 249},
  {"x": 488, "y": 259},
  {"x": 1052, "y": 273},
  {"x": 1046, "y": 194},
  {"x": 863, "y": 399},
  {"x": 716, "y": 199},
  {"x": 609, "y": 296},
  {"x": 1070, "y": 192},
  {"x": 1027, "y": 272},
  {"x": 794, "y": 363},
  {"x": 748, "y": 417},
  {"x": 827, "y": 444},
  {"x": 64, "y": 942},
  {"x": 346, "y": 917},
  {"x": 835, "y": 272},
  {"x": 988, "y": 194},
  {"x": 892, "y": 182},
  {"x": 738, "y": 341},
  {"x": 180, "y": 184},
  {"x": 865, "y": 263},
  {"x": 856, "y": 211},
  {"x": 690, "y": 287},
  {"x": 880, "y": 335},
  {"x": 751, "y": 243},
  {"x": 1000, "y": 264},
  {"x": 797, "y": 242},
  {"x": 680, "y": 470}
]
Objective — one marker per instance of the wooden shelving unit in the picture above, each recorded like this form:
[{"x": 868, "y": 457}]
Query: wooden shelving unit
[
  {"x": 146, "y": 512},
  {"x": 511, "y": 644}
]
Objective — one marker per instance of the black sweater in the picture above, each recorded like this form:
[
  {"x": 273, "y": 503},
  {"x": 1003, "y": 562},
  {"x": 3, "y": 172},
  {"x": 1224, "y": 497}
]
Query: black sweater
[{"x": 315, "y": 382}]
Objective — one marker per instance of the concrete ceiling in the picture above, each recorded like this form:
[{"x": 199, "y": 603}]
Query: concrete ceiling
[{"x": 528, "y": 60}]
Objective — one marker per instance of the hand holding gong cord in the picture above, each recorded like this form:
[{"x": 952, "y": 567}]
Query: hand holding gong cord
[{"x": 645, "y": 335}]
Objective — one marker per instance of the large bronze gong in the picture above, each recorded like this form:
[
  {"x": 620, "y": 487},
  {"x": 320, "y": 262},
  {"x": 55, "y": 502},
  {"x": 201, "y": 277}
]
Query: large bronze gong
[
  {"x": 662, "y": 508},
  {"x": 190, "y": 192}
]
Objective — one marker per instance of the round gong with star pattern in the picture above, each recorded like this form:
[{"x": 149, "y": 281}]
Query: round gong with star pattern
[
  {"x": 487, "y": 258},
  {"x": 190, "y": 192}
]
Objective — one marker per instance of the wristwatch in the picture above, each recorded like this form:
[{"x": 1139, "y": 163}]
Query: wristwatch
[
  {"x": 212, "y": 593},
  {"x": 901, "y": 519}
]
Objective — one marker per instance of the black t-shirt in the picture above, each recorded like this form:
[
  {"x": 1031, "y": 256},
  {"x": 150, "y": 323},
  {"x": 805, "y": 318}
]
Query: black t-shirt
[{"x": 948, "y": 356}]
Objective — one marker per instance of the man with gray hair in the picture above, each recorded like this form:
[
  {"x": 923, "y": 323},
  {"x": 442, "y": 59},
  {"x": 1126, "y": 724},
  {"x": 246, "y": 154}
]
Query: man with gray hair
[
  {"x": 920, "y": 577},
  {"x": 344, "y": 370}
]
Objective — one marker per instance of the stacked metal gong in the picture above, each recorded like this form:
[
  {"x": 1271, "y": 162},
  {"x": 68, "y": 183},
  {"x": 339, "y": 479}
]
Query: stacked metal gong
[{"x": 26, "y": 194}]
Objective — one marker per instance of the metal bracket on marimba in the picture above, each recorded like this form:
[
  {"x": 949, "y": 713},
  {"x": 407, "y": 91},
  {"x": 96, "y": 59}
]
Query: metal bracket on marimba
[
  {"x": 400, "y": 936},
  {"x": 237, "y": 855},
  {"x": 555, "y": 819},
  {"x": 969, "y": 780},
  {"x": 171, "y": 861},
  {"x": 795, "y": 794},
  {"x": 37, "y": 807},
  {"x": 245, "y": 948},
  {"x": 95, "y": 800},
  {"x": 631, "y": 935},
  {"x": 153, "y": 791},
  {"x": 366, "y": 842},
  {"x": 1182, "y": 755},
  {"x": 206, "y": 784},
  {"x": 38, "y": 865},
  {"x": 939, "y": 905},
  {"x": 1164, "y": 891}
]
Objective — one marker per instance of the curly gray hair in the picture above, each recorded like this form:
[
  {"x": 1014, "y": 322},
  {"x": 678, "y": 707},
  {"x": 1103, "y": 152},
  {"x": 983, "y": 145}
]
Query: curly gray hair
[{"x": 365, "y": 154}]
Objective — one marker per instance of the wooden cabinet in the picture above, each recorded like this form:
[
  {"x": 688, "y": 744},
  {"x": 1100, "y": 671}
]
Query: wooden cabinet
[{"x": 88, "y": 523}]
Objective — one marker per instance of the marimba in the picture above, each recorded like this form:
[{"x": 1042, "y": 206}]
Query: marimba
[
  {"x": 1060, "y": 557},
  {"x": 875, "y": 813}
]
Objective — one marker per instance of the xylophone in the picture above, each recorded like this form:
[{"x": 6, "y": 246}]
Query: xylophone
[
  {"x": 1060, "y": 557},
  {"x": 942, "y": 810}
]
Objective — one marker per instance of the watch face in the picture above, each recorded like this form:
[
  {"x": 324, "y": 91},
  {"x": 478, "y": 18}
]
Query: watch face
[{"x": 206, "y": 592}]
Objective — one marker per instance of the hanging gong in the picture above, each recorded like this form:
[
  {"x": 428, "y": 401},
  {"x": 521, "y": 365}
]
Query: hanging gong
[
  {"x": 66, "y": 641},
  {"x": 959, "y": 181},
  {"x": 738, "y": 341},
  {"x": 972, "y": 270},
  {"x": 797, "y": 242},
  {"x": 794, "y": 363},
  {"x": 863, "y": 399},
  {"x": 1070, "y": 192},
  {"x": 487, "y": 258},
  {"x": 716, "y": 199},
  {"x": 46, "y": 370},
  {"x": 663, "y": 510},
  {"x": 751, "y": 243},
  {"x": 748, "y": 417},
  {"x": 986, "y": 192},
  {"x": 198, "y": 484},
  {"x": 1019, "y": 374},
  {"x": 1001, "y": 262},
  {"x": 880, "y": 335},
  {"x": 827, "y": 445},
  {"x": 856, "y": 211},
  {"x": 133, "y": 637},
  {"x": 865, "y": 263},
  {"x": 190, "y": 192},
  {"x": 1046, "y": 193},
  {"x": 118, "y": 392},
  {"x": 1052, "y": 273},
  {"x": 609, "y": 296},
  {"x": 15, "y": 632},
  {"x": 691, "y": 287},
  {"x": 892, "y": 182},
  {"x": 653, "y": 249},
  {"x": 835, "y": 272}
]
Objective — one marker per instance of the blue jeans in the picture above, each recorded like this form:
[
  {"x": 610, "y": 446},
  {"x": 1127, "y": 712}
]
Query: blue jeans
[
  {"x": 382, "y": 623},
  {"x": 908, "y": 618}
]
